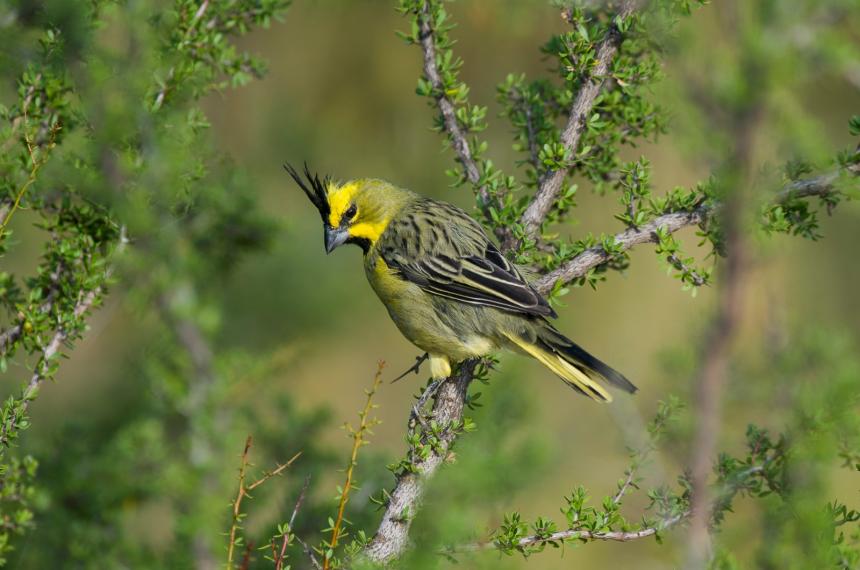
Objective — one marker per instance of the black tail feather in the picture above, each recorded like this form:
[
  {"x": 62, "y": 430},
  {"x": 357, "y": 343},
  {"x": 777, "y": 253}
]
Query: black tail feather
[{"x": 581, "y": 358}]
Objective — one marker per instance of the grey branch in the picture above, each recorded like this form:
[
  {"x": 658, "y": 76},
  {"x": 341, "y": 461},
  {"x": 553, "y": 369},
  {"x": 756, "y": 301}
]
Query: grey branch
[
  {"x": 822, "y": 186},
  {"x": 578, "y": 534},
  {"x": 594, "y": 256},
  {"x": 449, "y": 117},
  {"x": 10, "y": 336},
  {"x": 713, "y": 374},
  {"x": 392, "y": 537},
  {"x": 581, "y": 109}
]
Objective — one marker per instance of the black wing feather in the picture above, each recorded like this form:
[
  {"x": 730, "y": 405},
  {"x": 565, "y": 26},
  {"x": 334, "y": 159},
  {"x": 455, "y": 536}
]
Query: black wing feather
[{"x": 490, "y": 281}]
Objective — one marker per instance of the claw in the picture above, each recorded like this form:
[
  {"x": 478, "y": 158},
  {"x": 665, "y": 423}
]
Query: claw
[{"x": 414, "y": 368}]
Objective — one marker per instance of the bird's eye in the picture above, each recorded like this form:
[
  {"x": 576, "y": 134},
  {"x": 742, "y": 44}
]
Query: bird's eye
[{"x": 350, "y": 213}]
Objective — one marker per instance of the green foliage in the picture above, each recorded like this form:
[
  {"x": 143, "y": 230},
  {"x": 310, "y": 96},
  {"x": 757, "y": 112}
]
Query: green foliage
[
  {"x": 111, "y": 158},
  {"x": 109, "y": 182},
  {"x": 198, "y": 52}
]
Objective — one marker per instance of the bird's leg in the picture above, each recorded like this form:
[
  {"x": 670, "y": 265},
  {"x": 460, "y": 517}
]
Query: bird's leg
[
  {"x": 428, "y": 393},
  {"x": 414, "y": 368}
]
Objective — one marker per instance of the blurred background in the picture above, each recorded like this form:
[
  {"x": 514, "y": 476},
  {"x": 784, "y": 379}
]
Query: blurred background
[{"x": 295, "y": 334}]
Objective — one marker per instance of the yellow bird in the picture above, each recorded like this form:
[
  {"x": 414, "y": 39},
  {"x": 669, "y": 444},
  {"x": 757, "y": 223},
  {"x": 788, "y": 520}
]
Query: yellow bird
[{"x": 445, "y": 284}]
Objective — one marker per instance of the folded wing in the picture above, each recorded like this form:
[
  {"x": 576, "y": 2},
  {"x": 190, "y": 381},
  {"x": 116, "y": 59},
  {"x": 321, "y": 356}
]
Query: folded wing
[{"x": 488, "y": 280}]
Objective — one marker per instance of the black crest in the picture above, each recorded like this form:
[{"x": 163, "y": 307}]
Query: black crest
[{"x": 313, "y": 188}]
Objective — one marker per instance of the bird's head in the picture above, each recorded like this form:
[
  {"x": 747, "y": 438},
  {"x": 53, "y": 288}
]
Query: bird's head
[{"x": 356, "y": 212}]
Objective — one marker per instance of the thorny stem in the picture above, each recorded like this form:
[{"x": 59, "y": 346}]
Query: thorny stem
[
  {"x": 358, "y": 440},
  {"x": 244, "y": 491},
  {"x": 280, "y": 556},
  {"x": 237, "y": 504}
]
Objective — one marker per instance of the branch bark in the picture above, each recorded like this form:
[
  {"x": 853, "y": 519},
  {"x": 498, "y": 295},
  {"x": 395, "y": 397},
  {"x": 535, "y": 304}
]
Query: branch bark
[
  {"x": 583, "y": 104},
  {"x": 392, "y": 537},
  {"x": 594, "y": 256},
  {"x": 822, "y": 186},
  {"x": 451, "y": 125},
  {"x": 446, "y": 108},
  {"x": 584, "y": 535}
]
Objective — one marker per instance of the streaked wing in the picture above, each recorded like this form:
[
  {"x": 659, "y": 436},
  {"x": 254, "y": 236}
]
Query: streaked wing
[{"x": 488, "y": 280}]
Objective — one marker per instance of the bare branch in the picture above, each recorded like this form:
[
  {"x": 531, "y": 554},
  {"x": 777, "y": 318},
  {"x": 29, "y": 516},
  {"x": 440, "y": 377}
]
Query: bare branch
[
  {"x": 276, "y": 471},
  {"x": 300, "y": 500},
  {"x": 245, "y": 491},
  {"x": 280, "y": 557},
  {"x": 309, "y": 553},
  {"x": 237, "y": 504},
  {"x": 549, "y": 189}
]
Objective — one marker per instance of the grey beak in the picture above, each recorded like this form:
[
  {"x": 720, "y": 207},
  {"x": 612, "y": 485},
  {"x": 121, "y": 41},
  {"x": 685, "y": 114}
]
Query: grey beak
[{"x": 334, "y": 237}]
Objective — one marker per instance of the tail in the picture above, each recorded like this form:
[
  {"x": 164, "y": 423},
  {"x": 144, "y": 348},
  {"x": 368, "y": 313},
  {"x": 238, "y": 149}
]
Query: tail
[{"x": 576, "y": 367}]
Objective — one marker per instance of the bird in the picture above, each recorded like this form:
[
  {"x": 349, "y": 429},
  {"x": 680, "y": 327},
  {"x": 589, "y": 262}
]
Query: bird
[{"x": 445, "y": 284}]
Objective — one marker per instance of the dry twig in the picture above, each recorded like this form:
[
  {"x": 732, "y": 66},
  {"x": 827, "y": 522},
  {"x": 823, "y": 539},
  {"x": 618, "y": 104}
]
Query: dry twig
[
  {"x": 244, "y": 491},
  {"x": 359, "y": 439}
]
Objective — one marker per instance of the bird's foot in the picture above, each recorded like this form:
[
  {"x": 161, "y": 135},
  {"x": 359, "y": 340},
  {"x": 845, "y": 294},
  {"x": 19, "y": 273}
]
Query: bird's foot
[
  {"x": 429, "y": 392},
  {"x": 414, "y": 368}
]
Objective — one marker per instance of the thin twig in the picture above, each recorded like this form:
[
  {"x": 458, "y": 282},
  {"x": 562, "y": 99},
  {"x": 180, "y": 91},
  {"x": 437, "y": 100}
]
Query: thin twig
[
  {"x": 628, "y": 481},
  {"x": 358, "y": 440},
  {"x": 276, "y": 471},
  {"x": 35, "y": 165},
  {"x": 309, "y": 553},
  {"x": 695, "y": 277},
  {"x": 546, "y": 194},
  {"x": 237, "y": 504},
  {"x": 457, "y": 136},
  {"x": 577, "y": 534},
  {"x": 244, "y": 491},
  {"x": 300, "y": 500},
  {"x": 280, "y": 556}
]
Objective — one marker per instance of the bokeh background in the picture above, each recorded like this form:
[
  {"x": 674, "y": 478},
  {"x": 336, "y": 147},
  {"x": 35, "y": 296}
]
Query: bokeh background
[{"x": 339, "y": 94}]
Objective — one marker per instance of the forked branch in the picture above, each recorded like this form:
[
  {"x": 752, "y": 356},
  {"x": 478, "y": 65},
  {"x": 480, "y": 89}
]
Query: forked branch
[{"x": 580, "y": 110}]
